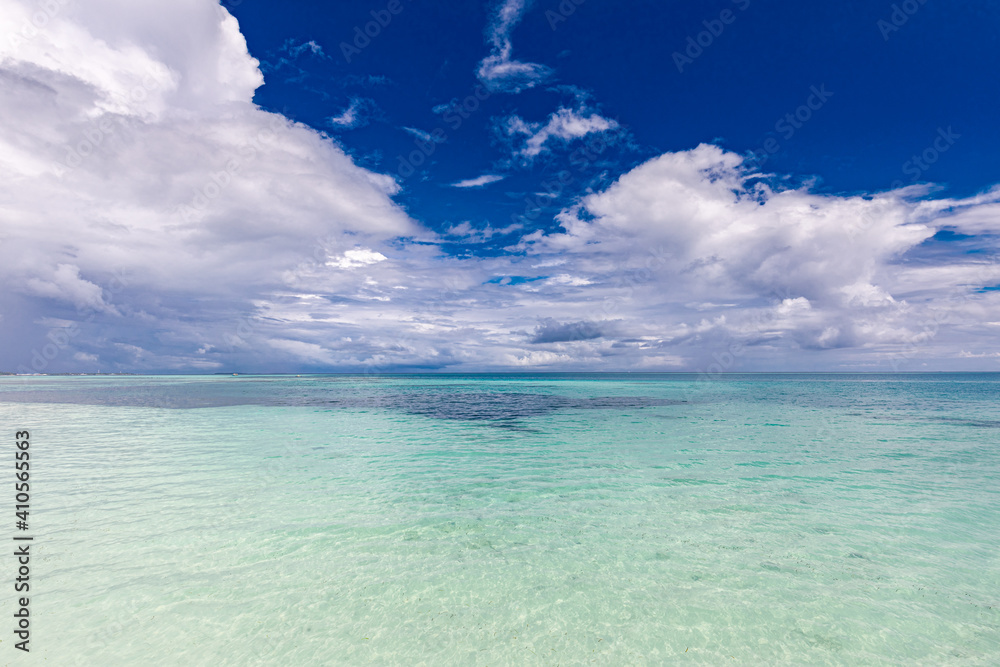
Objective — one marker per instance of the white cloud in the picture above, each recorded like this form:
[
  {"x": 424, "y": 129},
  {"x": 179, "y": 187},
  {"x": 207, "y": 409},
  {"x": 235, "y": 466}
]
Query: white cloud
[
  {"x": 568, "y": 280},
  {"x": 474, "y": 235},
  {"x": 564, "y": 125},
  {"x": 355, "y": 258},
  {"x": 150, "y": 203},
  {"x": 357, "y": 114},
  {"x": 295, "y": 50},
  {"x": 499, "y": 72},
  {"x": 308, "y": 352},
  {"x": 145, "y": 191},
  {"x": 791, "y": 279},
  {"x": 478, "y": 182},
  {"x": 700, "y": 226},
  {"x": 422, "y": 135},
  {"x": 65, "y": 284}
]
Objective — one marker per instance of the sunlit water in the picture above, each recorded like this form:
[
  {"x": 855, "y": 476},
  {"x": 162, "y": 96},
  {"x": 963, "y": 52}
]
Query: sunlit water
[{"x": 510, "y": 520}]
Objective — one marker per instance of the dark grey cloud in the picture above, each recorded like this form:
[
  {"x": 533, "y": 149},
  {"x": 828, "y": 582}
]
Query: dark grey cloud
[{"x": 550, "y": 331}]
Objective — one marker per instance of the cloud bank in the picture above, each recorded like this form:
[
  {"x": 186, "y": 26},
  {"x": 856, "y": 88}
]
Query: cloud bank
[
  {"x": 145, "y": 164},
  {"x": 155, "y": 219}
]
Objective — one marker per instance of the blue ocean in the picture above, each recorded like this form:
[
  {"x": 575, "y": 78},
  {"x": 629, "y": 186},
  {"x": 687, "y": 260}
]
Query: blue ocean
[{"x": 549, "y": 519}]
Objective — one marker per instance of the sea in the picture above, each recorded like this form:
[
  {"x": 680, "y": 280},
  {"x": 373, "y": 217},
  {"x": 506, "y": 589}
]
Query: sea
[{"x": 506, "y": 519}]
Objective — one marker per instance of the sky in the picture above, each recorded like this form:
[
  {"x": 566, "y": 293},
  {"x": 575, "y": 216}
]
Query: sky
[{"x": 559, "y": 185}]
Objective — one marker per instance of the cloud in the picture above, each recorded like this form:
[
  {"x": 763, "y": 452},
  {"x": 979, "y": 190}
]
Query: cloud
[
  {"x": 310, "y": 352},
  {"x": 357, "y": 114},
  {"x": 144, "y": 192},
  {"x": 287, "y": 59},
  {"x": 796, "y": 269},
  {"x": 364, "y": 81},
  {"x": 702, "y": 261},
  {"x": 295, "y": 50},
  {"x": 499, "y": 72},
  {"x": 355, "y": 258},
  {"x": 550, "y": 331},
  {"x": 723, "y": 229},
  {"x": 979, "y": 355},
  {"x": 565, "y": 125},
  {"x": 65, "y": 284},
  {"x": 436, "y": 138},
  {"x": 155, "y": 219},
  {"x": 474, "y": 235},
  {"x": 478, "y": 182}
]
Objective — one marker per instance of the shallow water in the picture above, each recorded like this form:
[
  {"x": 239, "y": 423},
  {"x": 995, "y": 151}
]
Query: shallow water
[{"x": 512, "y": 520}]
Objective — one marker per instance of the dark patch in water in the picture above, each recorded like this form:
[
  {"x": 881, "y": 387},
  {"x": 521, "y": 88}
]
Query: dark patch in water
[
  {"x": 954, "y": 421},
  {"x": 975, "y": 423},
  {"x": 497, "y": 408}
]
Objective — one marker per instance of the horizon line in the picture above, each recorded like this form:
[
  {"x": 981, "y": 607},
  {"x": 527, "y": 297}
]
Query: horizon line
[{"x": 545, "y": 372}]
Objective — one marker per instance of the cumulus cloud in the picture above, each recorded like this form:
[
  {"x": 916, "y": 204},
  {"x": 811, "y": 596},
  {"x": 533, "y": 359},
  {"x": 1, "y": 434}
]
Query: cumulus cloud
[
  {"x": 131, "y": 147},
  {"x": 800, "y": 269},
  {"x": 499, "y": 71},
  {"x": 155, "y": 219},
  {"x": 690, "y": 261}
]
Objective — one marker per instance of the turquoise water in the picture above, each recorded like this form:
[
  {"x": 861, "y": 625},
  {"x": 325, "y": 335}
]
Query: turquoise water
[{"x": 511, "y": 520}]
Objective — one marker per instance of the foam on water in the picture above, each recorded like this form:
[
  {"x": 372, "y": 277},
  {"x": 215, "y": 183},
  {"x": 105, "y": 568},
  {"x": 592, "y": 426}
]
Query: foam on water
[{"x": 514, "y": 520}]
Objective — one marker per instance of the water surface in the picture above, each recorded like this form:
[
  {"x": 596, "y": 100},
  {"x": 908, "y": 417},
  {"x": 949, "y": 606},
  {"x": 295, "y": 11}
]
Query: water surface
[{"x": 513, "y": 519}]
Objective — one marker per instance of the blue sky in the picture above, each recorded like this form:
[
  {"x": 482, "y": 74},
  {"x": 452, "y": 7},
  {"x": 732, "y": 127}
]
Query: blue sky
[
  {"x": 576, "y": 185},
  {"x": 889, "y": 97}
]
